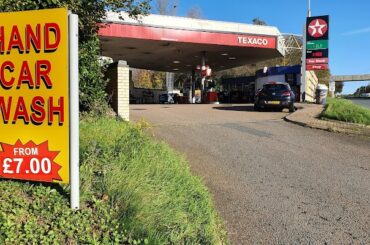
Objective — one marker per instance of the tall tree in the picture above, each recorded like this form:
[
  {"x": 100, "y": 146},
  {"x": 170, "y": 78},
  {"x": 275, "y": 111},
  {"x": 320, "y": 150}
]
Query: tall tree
[
  {"x": 362, "y": 89},
  {"x": 195, "y": 12},
  {"x": 142, "y": 79},
  {"x": 339, "y": 87},
  {"x": 165, "y": 7},
  {"x": 258, "y": 21},
  {"x": 323, "y": 77},
  {"x": 148, "y": 79},
  {"x": 158, "y": 80}
]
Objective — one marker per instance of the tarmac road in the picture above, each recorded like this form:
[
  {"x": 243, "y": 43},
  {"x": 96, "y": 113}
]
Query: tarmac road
[
  {"x": 273, "y": 182},
  {"x": 363, "y": 102}
]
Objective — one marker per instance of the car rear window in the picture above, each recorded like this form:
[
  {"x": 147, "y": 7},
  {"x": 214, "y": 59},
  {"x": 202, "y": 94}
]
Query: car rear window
[{"x": 276, "y": 87}]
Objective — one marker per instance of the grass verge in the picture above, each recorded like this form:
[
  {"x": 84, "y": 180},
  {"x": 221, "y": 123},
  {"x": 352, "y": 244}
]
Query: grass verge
[
  {"x": 345, "y": 110},
  {"x": 149, "y": 184},
  {"x": 133, "y": 190}
]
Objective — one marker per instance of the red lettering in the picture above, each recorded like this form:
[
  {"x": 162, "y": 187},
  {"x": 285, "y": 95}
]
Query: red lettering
[
  {"x": 6, "y": 84},
  {"x": 21, "y": 112},
  {"x": 5, "y": 110},
  {"x": 49, "y": 45},
  {"x": 25, "y": 76},
  {"x": 33, "y": 38},
  {"x": 37, "y": 106},
  {"x": 58, "y": 110},
  {"x": 15, "y": 40},
  {"x": 2, "y": 40},
  {"x": 36, "y": 112},
  {"x": 43, "y": 68}
]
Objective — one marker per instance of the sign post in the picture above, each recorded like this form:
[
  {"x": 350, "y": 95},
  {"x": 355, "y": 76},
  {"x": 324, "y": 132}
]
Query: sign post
[
  {"x": 74, "y": 111},
  {"x": 303, "y": 67},
  {"x": 39, "y": 97}
]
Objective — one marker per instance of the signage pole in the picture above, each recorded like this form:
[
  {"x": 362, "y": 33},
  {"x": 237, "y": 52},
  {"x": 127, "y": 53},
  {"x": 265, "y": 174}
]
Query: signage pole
[
  {"x": 304, "y": 50},
  {"x": 74, "y": 111},
  {"x": 303, "y": 67}
]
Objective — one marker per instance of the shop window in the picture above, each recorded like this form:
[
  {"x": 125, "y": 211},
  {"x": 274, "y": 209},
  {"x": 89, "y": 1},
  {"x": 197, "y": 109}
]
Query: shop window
[{"x": 291, "y": 78}]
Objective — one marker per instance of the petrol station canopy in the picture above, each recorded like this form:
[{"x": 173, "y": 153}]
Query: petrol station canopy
[{"x": 177, "y": 44}]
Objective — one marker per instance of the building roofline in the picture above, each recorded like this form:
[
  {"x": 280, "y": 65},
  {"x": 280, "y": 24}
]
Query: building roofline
[{"x": 184, "y": 23}]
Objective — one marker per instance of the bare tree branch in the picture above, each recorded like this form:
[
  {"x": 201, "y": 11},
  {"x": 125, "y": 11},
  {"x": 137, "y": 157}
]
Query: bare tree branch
[
  {"x": 166, "y": 7},
  {"x": 195, "y": 12}
]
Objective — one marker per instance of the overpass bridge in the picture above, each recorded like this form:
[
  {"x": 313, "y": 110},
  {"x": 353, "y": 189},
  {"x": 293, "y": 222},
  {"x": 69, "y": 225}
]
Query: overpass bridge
[
  {"x": 351, "y": 78},
  {"x": 346, "y": 78}
]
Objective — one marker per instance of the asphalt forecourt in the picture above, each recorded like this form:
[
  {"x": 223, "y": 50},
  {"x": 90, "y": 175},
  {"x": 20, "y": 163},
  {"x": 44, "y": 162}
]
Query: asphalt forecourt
[{"x": 273, "y": 182}]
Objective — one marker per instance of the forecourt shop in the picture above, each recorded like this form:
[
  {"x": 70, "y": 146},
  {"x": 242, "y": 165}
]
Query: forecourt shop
[{"x": 34, "y": 75}]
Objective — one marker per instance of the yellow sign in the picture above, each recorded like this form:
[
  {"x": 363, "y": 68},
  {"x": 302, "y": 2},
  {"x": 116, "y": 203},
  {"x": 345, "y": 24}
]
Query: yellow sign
[{"x": 34, "y": 100}]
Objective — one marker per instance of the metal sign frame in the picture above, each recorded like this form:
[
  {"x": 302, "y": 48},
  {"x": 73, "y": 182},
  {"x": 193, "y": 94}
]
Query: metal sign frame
[{"x": 74, "y": 111}]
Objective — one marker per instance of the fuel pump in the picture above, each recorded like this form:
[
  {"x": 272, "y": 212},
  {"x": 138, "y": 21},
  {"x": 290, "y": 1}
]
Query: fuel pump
[{"x": 208, "y": 85}]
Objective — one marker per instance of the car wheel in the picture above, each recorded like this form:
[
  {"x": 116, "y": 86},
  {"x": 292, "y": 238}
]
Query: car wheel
[{"x": 291, "y": 108}]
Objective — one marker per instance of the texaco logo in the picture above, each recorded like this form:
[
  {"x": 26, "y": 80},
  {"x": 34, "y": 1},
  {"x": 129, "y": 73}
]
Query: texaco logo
[{"x": 317, "y": 28}]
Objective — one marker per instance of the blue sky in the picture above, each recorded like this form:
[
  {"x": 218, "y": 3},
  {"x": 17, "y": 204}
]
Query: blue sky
[{"x": 349, "y": 30}]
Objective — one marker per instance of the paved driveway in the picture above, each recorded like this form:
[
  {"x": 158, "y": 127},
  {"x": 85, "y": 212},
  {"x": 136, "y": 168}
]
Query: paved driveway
[{"x": 273, "y": 182}]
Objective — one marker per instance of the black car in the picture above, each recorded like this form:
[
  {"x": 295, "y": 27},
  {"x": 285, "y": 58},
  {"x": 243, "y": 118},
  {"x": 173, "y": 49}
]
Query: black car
[
  {"x": 275, "y": 95},
  {"x": 169, "y": 98}
]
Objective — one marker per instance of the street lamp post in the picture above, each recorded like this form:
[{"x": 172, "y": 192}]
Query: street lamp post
[{"x": 303, "y": 67}]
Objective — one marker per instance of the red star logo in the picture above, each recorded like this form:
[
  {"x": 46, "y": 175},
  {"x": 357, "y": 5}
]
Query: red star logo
[{"x": 317, "y": 28}]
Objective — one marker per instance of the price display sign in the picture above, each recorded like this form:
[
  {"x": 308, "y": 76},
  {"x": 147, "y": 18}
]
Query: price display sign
[{"x": 317, "y": 45}]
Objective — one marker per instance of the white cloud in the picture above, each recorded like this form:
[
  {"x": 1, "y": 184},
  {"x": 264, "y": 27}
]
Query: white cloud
[{"x": 355, "y": 32}]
